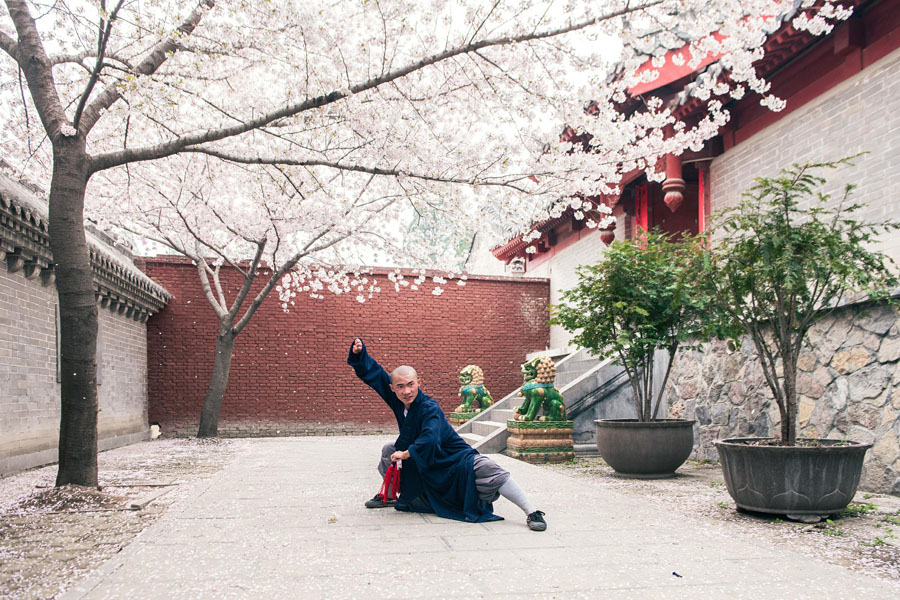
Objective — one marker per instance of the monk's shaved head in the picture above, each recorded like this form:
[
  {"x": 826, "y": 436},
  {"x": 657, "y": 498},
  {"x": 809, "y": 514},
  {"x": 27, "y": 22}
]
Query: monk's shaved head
[
  {"x": 404, "y": 371},
  {"x": 405, "y": 384}
]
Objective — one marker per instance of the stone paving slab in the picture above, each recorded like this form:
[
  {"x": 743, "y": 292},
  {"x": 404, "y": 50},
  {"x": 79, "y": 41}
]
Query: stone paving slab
[{"x": 286, "y": 519}]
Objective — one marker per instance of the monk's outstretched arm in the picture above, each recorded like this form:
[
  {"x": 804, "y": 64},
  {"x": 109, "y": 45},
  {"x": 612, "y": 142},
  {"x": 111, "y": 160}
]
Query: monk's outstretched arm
[{"x": 373, "y": 375}]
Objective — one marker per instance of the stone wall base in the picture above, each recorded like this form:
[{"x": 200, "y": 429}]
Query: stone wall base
[
  {"x": 48, "y": 455},
  {"x": 230, "y": 429},
  {"x": 848, "y": 384}
]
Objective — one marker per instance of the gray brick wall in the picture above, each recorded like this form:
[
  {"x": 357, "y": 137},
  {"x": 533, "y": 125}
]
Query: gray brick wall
[
  {"x": 123, "y": 392},
  {"x": 861, "y": 114},
  {"x": 29, "y": 396},
  {"x": 29, "y": 393}
]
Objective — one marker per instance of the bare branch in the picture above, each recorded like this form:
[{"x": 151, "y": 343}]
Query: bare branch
[
  {"x": 218, "y": 281},
  {"x": 79, "y": 57},
  {"x": 248, "y": 282},
  {"x": 207, "y": 290},
  {"x": 9, "y": 45}
]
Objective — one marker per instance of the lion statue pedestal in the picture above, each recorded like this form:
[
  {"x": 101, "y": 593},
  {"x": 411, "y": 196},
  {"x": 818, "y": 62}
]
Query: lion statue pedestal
[
  {"x": 536, "y": 437},
  {"x": 457, "y": 418},
  {"x": 540, "y": 441},
  {"x": 474, "y": 396}
]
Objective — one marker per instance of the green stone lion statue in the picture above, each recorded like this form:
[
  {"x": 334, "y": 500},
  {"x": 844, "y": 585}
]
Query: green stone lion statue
[
  {"x": 540, "y": 393},
  {"x": 472, "y": 391}
]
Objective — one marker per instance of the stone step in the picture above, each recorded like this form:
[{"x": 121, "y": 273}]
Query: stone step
[
  {"x": 471, "y": 438},
  {"x": 577, "y": 366},
  {"x": 501, "y": 415},
  {"x": 586, "y": 450},
  {"x": 486, "y": 427},
  {"x": 564, "y": 379}
]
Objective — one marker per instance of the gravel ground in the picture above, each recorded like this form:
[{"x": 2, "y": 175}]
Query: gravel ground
[
  {"x": 865, "y": 538},
  {"x": 51, "y": 537}
]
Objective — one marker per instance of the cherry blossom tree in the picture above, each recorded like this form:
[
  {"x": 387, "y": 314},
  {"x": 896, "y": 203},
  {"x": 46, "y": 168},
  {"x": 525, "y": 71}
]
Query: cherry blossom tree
[
  {"x": 358, "y": 101},
  {"x": 273, "y": 235}
]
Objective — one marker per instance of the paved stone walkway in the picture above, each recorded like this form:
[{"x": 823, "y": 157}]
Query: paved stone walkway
[{"x": 286, "y": 520}]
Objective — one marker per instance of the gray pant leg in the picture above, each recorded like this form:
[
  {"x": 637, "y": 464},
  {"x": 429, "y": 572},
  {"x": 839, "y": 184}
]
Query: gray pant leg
[
  {"x": 489, "y": 477},
  {"x": 385, "y": 461}
]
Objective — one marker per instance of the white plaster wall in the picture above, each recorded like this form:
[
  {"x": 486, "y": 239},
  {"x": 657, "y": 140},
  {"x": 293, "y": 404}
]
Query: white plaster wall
[
  {"x": 481, "y": 261},
  {"x": 560, "y": 270},
  {"x": 861, "y": 114}
]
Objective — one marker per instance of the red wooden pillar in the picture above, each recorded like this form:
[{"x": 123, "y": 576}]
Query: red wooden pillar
[
  {"x": 673, "y": 186},
  {"x": 641, "y": 216},
  {"x": 702, "y": 195}
]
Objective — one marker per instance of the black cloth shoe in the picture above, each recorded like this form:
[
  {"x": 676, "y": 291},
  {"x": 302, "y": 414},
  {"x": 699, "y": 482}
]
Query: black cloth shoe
[
  {"x": 377, "y": 502},
  {"x": 536, "y": 521}
]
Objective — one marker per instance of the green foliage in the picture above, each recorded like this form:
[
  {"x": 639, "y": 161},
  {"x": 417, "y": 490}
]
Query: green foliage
[
  {"x": 875, "y": 543},
  {"x": 858, "y": 510},
  {"x": 829, "y": 528},
  {"x": 640, "y": 298},
  {"x": 782, "y": 259},
  {"x": 895, "y": 519}
]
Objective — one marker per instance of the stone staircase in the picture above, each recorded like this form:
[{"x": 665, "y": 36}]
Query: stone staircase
[{"x": 583, "y": 381}]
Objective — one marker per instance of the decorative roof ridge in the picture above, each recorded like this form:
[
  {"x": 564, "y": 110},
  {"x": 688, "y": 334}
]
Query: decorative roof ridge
[
  {"x": 13, "y": 195},
  {"x": 25, "y": 238},
  {"x": 372, "y": 271}
]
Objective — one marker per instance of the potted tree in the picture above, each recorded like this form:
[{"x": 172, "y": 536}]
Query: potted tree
[
  {"x": 786, "y": 256},
  {"x": 634, "y": 305}
]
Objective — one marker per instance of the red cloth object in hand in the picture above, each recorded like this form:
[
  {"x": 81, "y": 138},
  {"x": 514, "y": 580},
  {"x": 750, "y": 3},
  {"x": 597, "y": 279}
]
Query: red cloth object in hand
[{"x": 390, "y": 487}]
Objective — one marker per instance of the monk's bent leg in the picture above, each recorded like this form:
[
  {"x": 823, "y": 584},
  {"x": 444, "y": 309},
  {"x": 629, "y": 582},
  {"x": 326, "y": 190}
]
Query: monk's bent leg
[
  {"x": 492, "y": 481},
  {"x": 489, "y": 478},
  {"x": 385, "y": 461}
]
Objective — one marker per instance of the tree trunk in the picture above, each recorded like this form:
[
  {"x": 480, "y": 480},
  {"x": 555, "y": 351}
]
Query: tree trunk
[
  {"x": 78, "y": 316},
  {"x": 212, "y": 404},
  {"x": 789, "y": 424}
]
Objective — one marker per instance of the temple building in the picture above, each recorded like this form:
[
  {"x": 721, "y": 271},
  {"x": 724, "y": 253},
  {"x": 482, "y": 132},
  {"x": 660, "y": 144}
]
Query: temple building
[{"x": 842, "y": 93}]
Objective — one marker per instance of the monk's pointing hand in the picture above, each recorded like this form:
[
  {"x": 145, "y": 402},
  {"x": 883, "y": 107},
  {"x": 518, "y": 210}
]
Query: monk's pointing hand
[{"x": 357, "y": 346}]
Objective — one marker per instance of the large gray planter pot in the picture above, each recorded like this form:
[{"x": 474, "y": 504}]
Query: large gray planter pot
[
  {"x": 797, "y": 481},
  {"x": 645, "y": 450}
]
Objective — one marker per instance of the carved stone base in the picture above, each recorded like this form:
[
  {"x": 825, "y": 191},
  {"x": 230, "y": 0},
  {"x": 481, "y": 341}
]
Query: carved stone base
[
  {"x": 540, "y": 441},
  {"x": 456, "y": 419}
]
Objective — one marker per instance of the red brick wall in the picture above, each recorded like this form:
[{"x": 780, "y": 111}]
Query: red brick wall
[{"x": 289, "y": 374}]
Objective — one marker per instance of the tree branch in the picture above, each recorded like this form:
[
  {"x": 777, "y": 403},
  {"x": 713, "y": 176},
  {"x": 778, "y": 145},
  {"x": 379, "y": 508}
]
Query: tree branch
[
  {"x": 9, "y": 45},
  {"x": 33, "y": 61},
  {"x": 102, "y": 40},
  {"x": 149, "y": 65},
  {"x": 507, "y": 182},
  {"x": 207, "y": 290},
  {"x": 248, "y": 281},
  {"x": 114, "y": 159},
  {"x": 78, "y": 58}
]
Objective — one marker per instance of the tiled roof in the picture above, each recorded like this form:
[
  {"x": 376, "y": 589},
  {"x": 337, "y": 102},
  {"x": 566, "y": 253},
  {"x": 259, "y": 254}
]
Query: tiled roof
[{"x": 25, "y": 243}]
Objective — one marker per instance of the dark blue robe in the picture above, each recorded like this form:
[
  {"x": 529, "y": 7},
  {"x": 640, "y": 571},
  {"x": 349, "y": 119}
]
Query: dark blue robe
[{"x": 440, "y": 476}]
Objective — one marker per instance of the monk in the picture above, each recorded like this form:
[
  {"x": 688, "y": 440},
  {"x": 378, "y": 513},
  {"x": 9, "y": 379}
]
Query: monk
[{"x": 441, "y": 472}]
